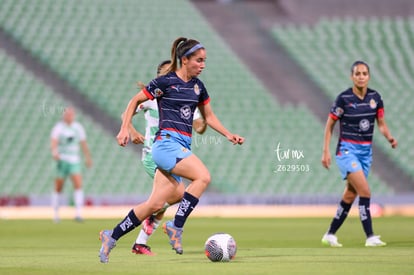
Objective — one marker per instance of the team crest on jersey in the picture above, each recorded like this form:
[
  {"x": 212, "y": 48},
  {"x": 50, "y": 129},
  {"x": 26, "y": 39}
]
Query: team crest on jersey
[
  {"x": 158, "y": 92},
  {"x": 372, "y": 103},
  {"x": 196, "y": 89}
]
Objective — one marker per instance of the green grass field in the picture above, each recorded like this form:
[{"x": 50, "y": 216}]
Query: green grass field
[{"x": 265, "y": 246}]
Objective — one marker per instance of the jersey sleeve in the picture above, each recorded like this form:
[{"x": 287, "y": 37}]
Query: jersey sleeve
[
  {"x": 197, "y": 114},
  {"x": 82, "y": 133},
  {"x": 204, "y": 97},
  {"x": 54, "y": 134},
  {"x": 143, "y": 106},
  {"x": 156, "y": 88},
  {"x": 380, "y": 107},
  {"x": 337, "y": 109}
]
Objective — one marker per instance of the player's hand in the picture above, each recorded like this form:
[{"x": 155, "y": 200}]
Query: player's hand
[
  {"x": 326, "y": 160},
  {"x": 88, "y": 162},
  {"x": 137, "y": 137},
  {"x": 235, "y": 139},
  {"x": 393, "y": 142},
  {"x": 123, "y": 137}
]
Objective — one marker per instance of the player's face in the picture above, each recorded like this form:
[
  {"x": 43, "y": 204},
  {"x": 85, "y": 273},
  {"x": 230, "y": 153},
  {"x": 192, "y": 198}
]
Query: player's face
[
  {"x": 196, "y": 63},
  {"x": 360, "y": 76},
  {"x": 69, "y": 115}
]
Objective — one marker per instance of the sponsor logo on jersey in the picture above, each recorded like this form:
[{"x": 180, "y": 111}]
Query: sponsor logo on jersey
[
  {"x": 364, "y": 125},
  {"x": 185, "y": 112}
]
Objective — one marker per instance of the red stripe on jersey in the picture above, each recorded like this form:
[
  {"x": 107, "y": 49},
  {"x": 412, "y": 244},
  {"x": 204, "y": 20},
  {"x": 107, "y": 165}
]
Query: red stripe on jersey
[
  {"x": 334, "y": 117},
  {"x": 148, "y": 94},
  {"x": 177, "y": 131},
  {"x": 356, "y": 141},
  {"x": 380, "y": 113},
  {"x": 204, "y": 102}
]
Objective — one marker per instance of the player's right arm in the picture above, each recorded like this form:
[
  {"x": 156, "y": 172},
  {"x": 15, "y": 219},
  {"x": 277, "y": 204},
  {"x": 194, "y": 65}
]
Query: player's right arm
[
  {"x": 54, "y": 147},
  {"x": 123, "y": 135},
  {"x": 136, "y": 137},
  {"x": 54, "y": 142},
  {"x": 326, "y": 155}
]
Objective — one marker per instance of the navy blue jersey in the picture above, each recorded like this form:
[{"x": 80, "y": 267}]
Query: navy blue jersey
[
  {"x": 177, "y": 101},
  {"x": 357, "y": 116}
]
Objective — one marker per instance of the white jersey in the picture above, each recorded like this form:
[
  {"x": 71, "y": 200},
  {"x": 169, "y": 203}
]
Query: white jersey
[
  {"x": 68, "y": 137},
  {"x": 150, "y": 109}
]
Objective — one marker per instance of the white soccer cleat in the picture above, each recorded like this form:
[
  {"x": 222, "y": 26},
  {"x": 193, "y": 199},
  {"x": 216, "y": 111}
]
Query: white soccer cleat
[
  {"x": 330, "y": 240},
  {"x": 374, "y": 241}
]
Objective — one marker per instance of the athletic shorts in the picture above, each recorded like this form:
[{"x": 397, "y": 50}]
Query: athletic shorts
[
  {"x": 149, "y": 164},
  {"x": 167, "y": 151},
  {"x": 354, "y": 157},
  {"x": 65, "y": 169}
]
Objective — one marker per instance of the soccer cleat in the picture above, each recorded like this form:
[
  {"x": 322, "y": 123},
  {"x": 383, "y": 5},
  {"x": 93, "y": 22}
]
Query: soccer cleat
[
  {"x": 174, "y": 234},
  {"x": 107, "y": 244},
  {"x": 330, "y": 240},
  {"x": 374, "y": 241},
  {"x": 148, "y": 225},
  {"x": 142, "y": 249}
]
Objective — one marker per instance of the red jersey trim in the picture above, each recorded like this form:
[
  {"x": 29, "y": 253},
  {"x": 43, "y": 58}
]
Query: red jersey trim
[
  {"x": 334, "y": 117},
  {"x": 148, "y": 94},
  {"x": 356, "y": 141},
  {"x": 380, "y": 113},
  {"x": 177, "y": 131},
  {"x": 204, "y": 102}
]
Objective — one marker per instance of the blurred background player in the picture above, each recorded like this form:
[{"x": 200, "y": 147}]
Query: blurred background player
[
  {"x": 357, "y": 109},
  {"x": 66, "y": 138},
  {"x": 150, "y": 109}
]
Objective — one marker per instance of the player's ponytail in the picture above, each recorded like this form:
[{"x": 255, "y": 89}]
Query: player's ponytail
[{"x": 182, "y": 47}]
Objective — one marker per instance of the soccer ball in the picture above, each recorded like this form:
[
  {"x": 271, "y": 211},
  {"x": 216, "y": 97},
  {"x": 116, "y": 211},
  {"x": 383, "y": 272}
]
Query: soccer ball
[{"x": 220, "y": 247}]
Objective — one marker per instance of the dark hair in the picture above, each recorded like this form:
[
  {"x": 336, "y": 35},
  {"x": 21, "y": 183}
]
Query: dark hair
[
  {"x": 358, "y": 62},
  {"x": 182, "y": 47},
  {"x": 165, "y": 62}
]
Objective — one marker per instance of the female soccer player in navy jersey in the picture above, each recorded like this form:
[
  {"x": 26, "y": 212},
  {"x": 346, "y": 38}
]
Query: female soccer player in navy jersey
[
  {"x": 178, "y": 93},
  {"x": 357, "y": 108}
]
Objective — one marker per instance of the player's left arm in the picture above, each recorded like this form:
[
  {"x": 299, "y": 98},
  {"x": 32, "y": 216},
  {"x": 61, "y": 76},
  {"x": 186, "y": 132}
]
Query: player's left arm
[
  {"x": 86, "y": 153},
  {"x": 383, "y": 128},
  {"x": 215, "y": 123}
]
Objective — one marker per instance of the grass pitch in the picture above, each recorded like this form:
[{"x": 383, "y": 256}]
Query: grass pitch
[{"x": 265, "y": 246}]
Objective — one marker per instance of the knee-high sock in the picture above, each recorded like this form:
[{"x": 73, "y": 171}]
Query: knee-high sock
[
  {"x": 126, "y": 225},
  {"x": 78, "y": 198},
  {"x": 185, "y": 208},
  {"x": 365, "y": 216},
  {"x": 341, "y": 214}
]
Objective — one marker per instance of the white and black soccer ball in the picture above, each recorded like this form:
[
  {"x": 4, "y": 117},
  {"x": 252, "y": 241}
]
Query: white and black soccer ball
[{"x": 220, "y": 247}]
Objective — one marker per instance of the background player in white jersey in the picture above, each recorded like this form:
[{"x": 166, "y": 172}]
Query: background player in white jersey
[
  {"x": 66, "y": 136},
  {"x": 150, "y": 109}
]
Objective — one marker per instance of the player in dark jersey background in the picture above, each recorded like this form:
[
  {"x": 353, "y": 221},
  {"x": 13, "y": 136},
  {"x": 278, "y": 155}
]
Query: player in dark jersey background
[
  {"x": 356, "y": 109},
  {"x": 178, "y": 93}
]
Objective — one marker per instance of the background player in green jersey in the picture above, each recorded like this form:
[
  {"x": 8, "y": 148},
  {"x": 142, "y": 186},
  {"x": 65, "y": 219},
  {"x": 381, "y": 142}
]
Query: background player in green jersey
[
  {"x": 66, "y": 136},
  {"x": 150, "y": 110}
]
